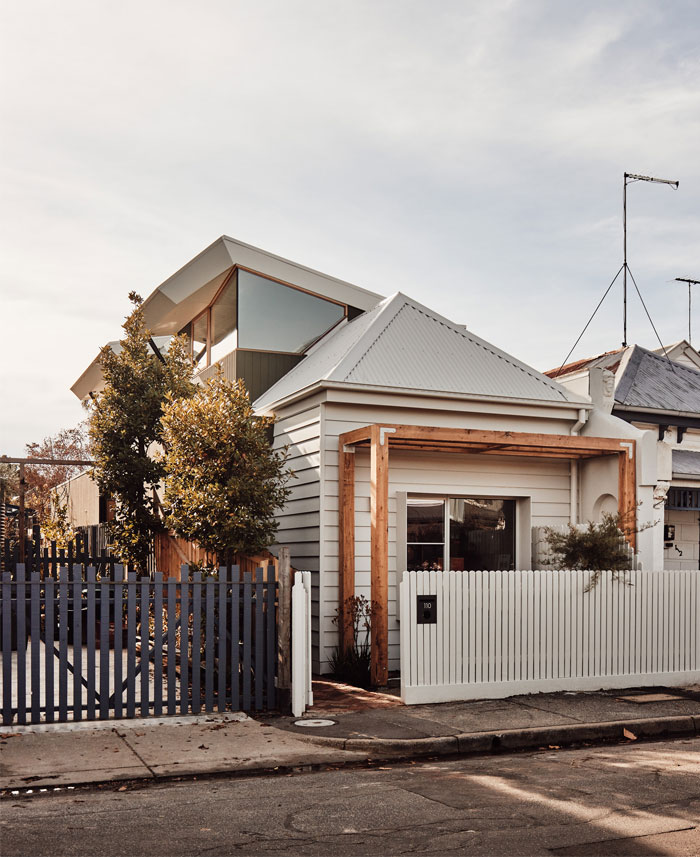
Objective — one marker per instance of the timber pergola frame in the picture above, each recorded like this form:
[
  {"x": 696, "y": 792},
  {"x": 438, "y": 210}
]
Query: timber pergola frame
[{"x": 380, "y": 439}]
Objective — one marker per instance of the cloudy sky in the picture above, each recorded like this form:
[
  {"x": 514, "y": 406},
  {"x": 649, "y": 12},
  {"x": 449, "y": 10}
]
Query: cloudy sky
[{"x": 469, "y": 154}]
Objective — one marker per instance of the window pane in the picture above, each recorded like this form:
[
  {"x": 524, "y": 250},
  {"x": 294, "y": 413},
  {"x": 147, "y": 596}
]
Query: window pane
[
  {"x": 425, "y": 557},
  {"x": 273, "y": 317},
  {"x": 482, "y": 534},
  {"x": 425, "y": 521},
  {"x": 199, "y": 339},
  {"x": 223, "y": 323}
]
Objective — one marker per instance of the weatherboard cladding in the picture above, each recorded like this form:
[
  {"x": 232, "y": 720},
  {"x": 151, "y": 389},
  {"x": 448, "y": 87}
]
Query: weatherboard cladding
[
  {"x": 686, "y": 463},
  {"x": 652, "y": 381},
  {"x": 402, "y": 344}
]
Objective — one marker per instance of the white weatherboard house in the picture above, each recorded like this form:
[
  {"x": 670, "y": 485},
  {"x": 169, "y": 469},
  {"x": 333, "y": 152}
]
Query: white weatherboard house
[
  {"x": 415, "y": 444},
  {"x": 418, "y": 445}
]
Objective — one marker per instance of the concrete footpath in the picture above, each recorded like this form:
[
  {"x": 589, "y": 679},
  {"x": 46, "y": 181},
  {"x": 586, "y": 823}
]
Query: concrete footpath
[{"x": 345, "y": 726}]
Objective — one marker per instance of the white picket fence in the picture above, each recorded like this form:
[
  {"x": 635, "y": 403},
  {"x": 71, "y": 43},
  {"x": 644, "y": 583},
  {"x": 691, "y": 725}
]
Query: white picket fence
[
  {"x": 501, "y": 633},
  {"x": 302, "y": 695}
]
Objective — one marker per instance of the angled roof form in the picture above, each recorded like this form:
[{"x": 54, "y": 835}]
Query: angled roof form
[
  {"x": 190, "y": 290},
  {"x": 686, "y": 464},
  {"x": 402, "y": 344},
  {"x": 650, "y": 380}
]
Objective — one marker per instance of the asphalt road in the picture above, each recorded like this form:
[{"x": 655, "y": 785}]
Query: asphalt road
[{"x": 620, "y": 800}]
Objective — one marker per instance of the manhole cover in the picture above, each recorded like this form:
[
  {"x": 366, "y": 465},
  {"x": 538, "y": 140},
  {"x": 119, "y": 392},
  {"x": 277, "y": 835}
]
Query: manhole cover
[{"x": 314, "y": 723}]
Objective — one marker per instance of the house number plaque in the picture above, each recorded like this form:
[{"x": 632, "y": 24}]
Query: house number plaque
[{"x": 426, "y": 610}]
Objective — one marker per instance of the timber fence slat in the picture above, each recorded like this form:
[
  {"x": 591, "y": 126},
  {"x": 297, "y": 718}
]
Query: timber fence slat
[
  {"x": 21, "y": 645},
  {"x": 91, "y": 647},
  {"x": 158, "y": 644},
  {"x": 259, "y": 639},
  {"x": 209, "y": 646},
  {"x": 49, "y": 644},
  {"x": 35, "y": 637},
  {"x": 184, "y": 639},
  {"x": 118, "y": 654},
  {"x": 63, "y": 645},
  {"x": 104, "y": 649},
  {"x": 222, "y": 624},
  {"x": 130, "y": 644},
  {"x": 247, "y": 634},
  {"x": 172, "y": 652},
  {"x": 271, "y": 644},
  {"x": 144, "y": 664},
  {"x": 6, "y": 648},
  {"x": 196, "y": 642},
  {"x": 235, "y": 639}
]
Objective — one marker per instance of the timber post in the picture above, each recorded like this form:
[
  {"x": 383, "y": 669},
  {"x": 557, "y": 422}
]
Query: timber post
[
  {"x": 379, "y": 555},
  {"x": 284, "y": 631},
  {"x": 346, "y": 545}
]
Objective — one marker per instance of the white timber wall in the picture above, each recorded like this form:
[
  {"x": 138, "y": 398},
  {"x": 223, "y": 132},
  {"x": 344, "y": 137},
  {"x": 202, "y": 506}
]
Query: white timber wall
[
  {"x": 299, "y": 520},
  {"x": 499, "y": 633},
  {"x": 542, "y": 484},
  {"x": 82, "y": 497}
]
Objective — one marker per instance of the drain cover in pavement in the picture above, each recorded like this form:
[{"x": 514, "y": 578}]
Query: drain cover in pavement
[
  {"x": 643, "y": 698},
  {"x": 314, "y": 723}
]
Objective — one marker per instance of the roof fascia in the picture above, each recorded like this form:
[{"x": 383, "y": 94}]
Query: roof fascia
[
  {"x": 688, "y": 419},
  {"x": 573, "y": 406}
]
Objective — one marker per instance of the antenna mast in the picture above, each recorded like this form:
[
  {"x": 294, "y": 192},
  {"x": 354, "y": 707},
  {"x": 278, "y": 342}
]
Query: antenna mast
[
  {"x": 690, "y": 283},
  {"x": 628, "y": 179}
]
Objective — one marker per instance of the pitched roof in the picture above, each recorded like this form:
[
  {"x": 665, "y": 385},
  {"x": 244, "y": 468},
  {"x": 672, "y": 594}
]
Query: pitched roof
[
  {"x": 650, "y": 380},
  {"x": 403, "y": 344},
  {"x": 608, "y": 360},
  {"x": 686, "y": 463}
]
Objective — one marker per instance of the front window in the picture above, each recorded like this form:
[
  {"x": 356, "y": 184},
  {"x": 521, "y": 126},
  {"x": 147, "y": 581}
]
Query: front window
[{"x": 462, "y": 534}]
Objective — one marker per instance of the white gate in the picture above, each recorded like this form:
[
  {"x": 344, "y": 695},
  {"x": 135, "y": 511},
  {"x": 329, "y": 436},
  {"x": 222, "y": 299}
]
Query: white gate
[
  {"x": 501, "y": 633},
  {"x": 302, "y": 695}
]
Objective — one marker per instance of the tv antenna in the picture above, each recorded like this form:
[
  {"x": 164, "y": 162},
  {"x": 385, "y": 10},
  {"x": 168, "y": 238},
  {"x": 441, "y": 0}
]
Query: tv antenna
[
  {"x": 629, "y": 179},
  {"x": 690, "y": 283}
]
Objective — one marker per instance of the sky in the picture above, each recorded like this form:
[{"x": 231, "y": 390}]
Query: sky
[{"x": 469, "y": 154}]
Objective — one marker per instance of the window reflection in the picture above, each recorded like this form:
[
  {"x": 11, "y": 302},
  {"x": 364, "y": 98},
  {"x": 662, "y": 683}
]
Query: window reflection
[
  {"x": 199, "y": 339},
  {"x": 223, "y": 323},
  {"x": 273, "y": 317},
  {"x": 464, "y": 534}
]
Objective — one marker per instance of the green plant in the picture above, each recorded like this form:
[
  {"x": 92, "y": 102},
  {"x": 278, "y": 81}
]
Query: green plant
[
  {"x": 596, "y": 546},
  {"x": 224, "y": 482},
  {"x": 352, "y": 665},
  {"x": 125, "y": 428}
]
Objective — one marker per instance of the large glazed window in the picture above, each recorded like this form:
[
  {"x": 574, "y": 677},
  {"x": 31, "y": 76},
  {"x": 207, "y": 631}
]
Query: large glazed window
[
  {"x": 273, "y": 317},
  {"x": 462, "y": 534},
  {"x": 223, "y": 323}
]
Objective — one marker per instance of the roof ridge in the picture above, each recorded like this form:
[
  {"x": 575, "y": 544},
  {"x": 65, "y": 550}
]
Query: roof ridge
[{"x": 465, "y": 334}]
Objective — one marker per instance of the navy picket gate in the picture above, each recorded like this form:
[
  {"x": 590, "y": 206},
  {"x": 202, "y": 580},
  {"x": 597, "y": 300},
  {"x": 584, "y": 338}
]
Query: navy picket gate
[{"x": 89, "y": 647}]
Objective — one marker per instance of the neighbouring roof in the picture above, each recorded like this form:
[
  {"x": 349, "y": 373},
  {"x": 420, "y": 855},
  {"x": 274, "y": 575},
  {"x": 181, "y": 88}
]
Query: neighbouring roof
[
  {"x": 686, "y": 463},
  {"x": 608, "y": 360},
  {"x": 403, "y": 344},
  {"x": 650, "y": 380}
]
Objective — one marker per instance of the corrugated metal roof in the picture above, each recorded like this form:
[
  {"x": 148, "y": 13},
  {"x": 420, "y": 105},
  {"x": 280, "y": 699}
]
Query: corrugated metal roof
[
  {"x": 686, "y": 463},
  {"x": 650, "y": 380},
  {"x": 402, "y": 344}
]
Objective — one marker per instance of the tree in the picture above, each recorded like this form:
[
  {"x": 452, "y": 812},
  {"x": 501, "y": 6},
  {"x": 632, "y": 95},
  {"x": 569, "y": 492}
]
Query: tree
[
  {"x": 125, "y": 430},
  {"x": 9, "y": 482},
  {"x": 224, "y": 481},
  {"x": 42, "y": 480}
]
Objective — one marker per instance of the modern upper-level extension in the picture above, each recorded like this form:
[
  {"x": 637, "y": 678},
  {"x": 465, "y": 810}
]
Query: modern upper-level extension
[{"x": 255, "y": 313}]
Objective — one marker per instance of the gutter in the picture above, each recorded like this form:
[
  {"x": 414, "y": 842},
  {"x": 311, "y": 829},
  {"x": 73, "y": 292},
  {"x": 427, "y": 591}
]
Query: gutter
[{"x": 435, "y": 394}]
